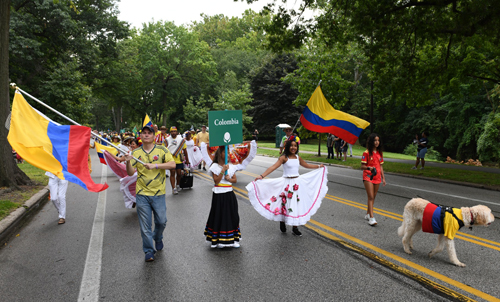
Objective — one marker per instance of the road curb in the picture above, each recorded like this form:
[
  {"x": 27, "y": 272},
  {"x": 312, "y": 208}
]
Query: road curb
[{"x": 10, "y": 223}]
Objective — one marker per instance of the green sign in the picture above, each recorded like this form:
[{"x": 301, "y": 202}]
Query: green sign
[{"x": 226, "y": 127}]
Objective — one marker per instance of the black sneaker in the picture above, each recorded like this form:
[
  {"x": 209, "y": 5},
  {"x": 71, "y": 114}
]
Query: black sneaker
[
  {"x": 282, "y": 227},
  {"x": 204, "y": 169},
  {"x": 159, "y": 245},
  {"x": 150, "y": 257},
  {"x": 296, "y": 232},
  {"x": 199, "y": 166}
]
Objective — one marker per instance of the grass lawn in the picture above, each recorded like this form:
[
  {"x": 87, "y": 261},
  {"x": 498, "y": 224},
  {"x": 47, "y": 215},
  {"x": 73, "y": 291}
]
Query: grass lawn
[
  {"x": 356, "y": 149},
  {"x": 483, "y": 178},
  {"x": 11, "y": 200}
]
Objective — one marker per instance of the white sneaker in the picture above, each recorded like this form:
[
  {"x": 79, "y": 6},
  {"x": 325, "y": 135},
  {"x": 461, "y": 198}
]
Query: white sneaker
[
  {"x": 372, "y": 221},
  {"x": 178, "y": 188},
  {"x": 367, "y": 216},
  {"x": 174, "y": 191},
  {"x": 421, "y": 168},
  {"x": 236, "y": 244},
  {"x": 414, "y": 168},
  {"x": 221, "y": 246}
]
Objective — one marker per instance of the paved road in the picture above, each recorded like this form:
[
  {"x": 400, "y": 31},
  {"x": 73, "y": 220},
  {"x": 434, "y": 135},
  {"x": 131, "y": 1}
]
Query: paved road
[{"x": 339, "y": 257}]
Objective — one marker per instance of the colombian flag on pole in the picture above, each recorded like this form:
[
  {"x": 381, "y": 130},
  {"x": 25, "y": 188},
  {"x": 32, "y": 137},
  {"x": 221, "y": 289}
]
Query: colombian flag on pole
[
  {"x": 59, "y": 149},
  {"x": 320, "y": 116},
  {"x": 101, "y": 148},
  {"x": 147, "y": 121}
]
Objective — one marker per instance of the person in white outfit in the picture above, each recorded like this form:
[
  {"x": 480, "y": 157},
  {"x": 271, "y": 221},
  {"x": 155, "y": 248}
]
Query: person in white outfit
[{"x": 58, "y": 188}]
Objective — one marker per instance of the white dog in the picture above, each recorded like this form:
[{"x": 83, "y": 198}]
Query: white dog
[{"x": 420, "y": 214}]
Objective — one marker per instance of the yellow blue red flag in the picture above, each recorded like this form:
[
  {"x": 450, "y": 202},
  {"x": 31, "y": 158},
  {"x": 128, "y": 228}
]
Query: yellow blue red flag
[
  {"x": 59, "y": 149},
  {"x": 147, "y": 121},
  {"x": 100, "y": 149},
  {"x": 320, "y": 116}
]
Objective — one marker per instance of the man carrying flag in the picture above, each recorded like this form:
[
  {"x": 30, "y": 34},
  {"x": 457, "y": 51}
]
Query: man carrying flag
[
  {"x": 320, "y": 116},
  {"x": 150, "y": 189}
]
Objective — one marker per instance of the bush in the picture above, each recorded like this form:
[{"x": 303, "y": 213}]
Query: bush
[{"x": 488, "y": 145}]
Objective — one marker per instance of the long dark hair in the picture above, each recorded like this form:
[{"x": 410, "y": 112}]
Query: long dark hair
[
  {"x": 370, "y": 144},
  {"x": 288, "y": 144},
  {"x": 218, "y": 154}
]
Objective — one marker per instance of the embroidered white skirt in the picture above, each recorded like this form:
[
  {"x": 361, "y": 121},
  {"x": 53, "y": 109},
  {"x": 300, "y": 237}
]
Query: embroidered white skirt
[{"x": 291, "y": 200}]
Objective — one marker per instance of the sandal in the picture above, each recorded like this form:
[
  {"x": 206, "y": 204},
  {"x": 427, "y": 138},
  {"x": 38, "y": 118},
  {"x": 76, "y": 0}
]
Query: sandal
[{"x": 61, "y": 221}]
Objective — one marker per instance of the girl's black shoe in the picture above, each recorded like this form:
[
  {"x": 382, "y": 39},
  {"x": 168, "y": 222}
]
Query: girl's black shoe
[
  {"x": 282, "y": 227},
  {"x": 295, "y": 231}
]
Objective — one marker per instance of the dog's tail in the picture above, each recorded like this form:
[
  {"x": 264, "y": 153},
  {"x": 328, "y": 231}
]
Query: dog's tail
[{"x": 401, "y": 229}]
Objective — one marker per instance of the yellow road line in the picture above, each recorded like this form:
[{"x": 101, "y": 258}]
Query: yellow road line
[
  {"x": 460, "y": 235},
  {"x": 427, "y": 282},
  {"x": 408, "y": 263}
]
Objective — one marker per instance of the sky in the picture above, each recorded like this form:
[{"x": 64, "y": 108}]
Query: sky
[{"x": 181, "y": 11}]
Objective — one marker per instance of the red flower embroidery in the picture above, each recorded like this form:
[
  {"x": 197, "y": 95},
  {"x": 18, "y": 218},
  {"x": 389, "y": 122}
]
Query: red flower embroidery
[
  {"x": 287, "y": 187},
  {"x": 295, "y": 187},
  {"x": 155, "y": 157},
  {"x": 273, "y": 199},
  {"x": 290, "y": 194}
]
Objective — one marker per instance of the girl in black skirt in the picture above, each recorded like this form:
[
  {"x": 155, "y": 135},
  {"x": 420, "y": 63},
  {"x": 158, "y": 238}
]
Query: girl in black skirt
[{"x": 222, "y": 228}]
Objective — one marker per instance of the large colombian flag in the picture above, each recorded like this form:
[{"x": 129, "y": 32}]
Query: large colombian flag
[
  {"x": 59, "y": 149},
  {"x": 320, "y": 116}
]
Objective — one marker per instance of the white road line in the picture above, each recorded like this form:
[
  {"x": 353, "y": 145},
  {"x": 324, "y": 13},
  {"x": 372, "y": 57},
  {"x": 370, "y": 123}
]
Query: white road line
[
  {"x": 439, "y": 193},
  {"x": 91, "y": 280}
]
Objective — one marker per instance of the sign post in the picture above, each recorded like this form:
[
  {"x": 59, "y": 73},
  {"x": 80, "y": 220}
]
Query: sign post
[{"x": 226, "y": 128}]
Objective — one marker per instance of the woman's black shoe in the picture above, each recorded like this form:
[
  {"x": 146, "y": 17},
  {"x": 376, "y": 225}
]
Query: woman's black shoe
[
  {"x": 295, "y": 231},
  {"x": 282, "y": 227}
]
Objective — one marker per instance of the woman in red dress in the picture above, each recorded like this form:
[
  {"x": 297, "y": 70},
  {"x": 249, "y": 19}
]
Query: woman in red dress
[{"x": 373, "y": 173}]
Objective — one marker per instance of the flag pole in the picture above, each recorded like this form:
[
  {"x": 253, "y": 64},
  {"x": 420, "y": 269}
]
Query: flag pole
[
  {"x": 299, "y": 116},
  {"x": 72, "y": 121}
]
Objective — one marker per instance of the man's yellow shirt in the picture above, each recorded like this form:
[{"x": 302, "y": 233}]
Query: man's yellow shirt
[{"x": 151, "y": 182}]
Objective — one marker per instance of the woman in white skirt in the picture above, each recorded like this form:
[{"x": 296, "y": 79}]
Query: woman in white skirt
[
  {"x": 293, "y": 198},
  {"x": 194, "y": 153}
]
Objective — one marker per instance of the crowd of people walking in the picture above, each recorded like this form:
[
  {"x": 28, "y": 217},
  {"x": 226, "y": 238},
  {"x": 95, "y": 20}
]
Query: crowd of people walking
[{"x": 153, "y": 155}]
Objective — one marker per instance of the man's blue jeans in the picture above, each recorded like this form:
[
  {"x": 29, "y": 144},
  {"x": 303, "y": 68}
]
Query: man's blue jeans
[{"x": 147, "y": 205}]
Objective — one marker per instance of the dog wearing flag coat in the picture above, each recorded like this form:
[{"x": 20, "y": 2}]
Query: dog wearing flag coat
[{"x": 420, "y": 214}]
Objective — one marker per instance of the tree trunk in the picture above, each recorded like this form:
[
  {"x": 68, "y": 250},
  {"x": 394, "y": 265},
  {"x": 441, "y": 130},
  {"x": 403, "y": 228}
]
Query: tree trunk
[
  {"x": 10, "y": 174},
  {"x": 319, "y": 144},
  {"x": 371, "y": 106},
  {"x": 165, "y": 103}
]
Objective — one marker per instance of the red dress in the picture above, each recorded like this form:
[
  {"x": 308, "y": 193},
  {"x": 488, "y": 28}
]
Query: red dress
[{"x": 376, "y": 160}]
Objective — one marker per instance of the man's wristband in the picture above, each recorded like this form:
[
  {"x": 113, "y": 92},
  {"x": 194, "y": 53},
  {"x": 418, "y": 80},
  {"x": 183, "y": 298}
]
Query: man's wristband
[
  {"x": 262, "y": 176},
  {"x": 156, "y": 166}
]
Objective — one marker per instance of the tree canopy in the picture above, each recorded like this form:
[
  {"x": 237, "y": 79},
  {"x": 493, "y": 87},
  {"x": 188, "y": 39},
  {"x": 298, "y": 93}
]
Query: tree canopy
[{"x": 406, "y": 66}]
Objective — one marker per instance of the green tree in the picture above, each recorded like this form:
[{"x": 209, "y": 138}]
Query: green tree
[
  {"x": 273, "y": 98},
  {"x": 10, "y": 174},
  {"x": 174, "y": 66},
  {"x": 47, "y": 36}
]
